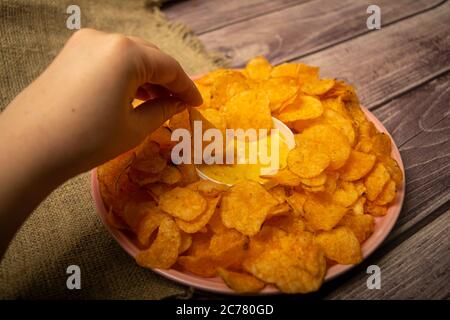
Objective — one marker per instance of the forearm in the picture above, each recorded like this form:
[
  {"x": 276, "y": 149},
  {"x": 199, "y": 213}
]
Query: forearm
[{"x": 25, "y": 175}]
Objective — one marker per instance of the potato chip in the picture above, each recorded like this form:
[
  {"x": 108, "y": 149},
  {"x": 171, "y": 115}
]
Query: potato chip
[
  {"x": 205, "y": 92},
  {"x": 341, "y": 123},
  {"x": 245, "y": 206},
  {"x": 306, "y": 73},
  {"x": 321, "y": 213},
  {"x": 248, "y": 110},
  {"x": 215, "y": 224},
  {"x": 148, "y": 224},
  {"x": 340, "y": 245},
  {"x": 287, "y": 223},
  {"x": 337, "y": 105},
  {"x": 225, "y": 250},
  {"x": 317, "y": 87},
  {"x": 315, "y": 181},
  {"x": 279, "y": 193},
  {"x": 279, "y": 210},
  {"x": 221, "y": 85},
  {"x": 290, "y": 70},
  {"x": 329, "y": 141},
  {"x": 183, "y": 203},
  {"x": 296, "y": 202},
  {"x": 186, "y": 242},
  {"x": 180, "y": 120},
  {"x": 331, "y": 183},
  {"x": 358, "y": 206},
  {"x": 361, "y": 225},
  {"x": 163, "y": 252},
  {"x": 188, "y": 173},
  {"x": 345, "y": 194},
  {"x": 279, "y": 91},
  {"x": 358, "y": 165},
  {"x": 294, "y": 263},
  {"x": 394, "y": 170},
  {"x": 375, "y": 210},
  {"x": 387, "y": 195},
  {"x": 258, "y": 68},
  {"x": 170, "y": 175},
  {"x": 381, "y": 144},
  {"x": 208, "y": 188},
  {"x": 201, "y": 221},
  {"x": 241, "y": 282},
  {"x": 303, "y": 108},
  {"x": 306, "y": 161},
  {"x": 375, "y": 181},
  {"x": 284, "y": 177}
]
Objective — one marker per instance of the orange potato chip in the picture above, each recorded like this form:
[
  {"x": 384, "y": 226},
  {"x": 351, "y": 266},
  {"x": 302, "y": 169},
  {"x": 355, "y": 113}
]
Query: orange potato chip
[
  {"x": 358, "y": 206},
  {"x": 340, "y": 245},
  {"x": 241, "y": 282},
  {"x": 321, "y": 213},
  {"x": 361, "y": 225},
  {"x": 198, "y": 223},
  {"x": 329, "y": 141},
  {"x": 375, "y": 210},
  {"x": 186, "y": 242},
  {"x": 294, "y": 263},
  {"x": 245, "y": 206},
  {"x": 248, "y": 110},
  {"x": 387, "y": 195},
  {"x": 317, "y": 87},
  {"x": 303, "y": 108},
  {"x": 315, "y": 181},
  {"x": 208, "y": 188},
  {"x": 148, "y": 224},
  {"x": 279, "y": 91},
  {"x": 215, "y": 224},
  {"x": 358, "y": 165},
  {"x": 306, "y": 161},
  {"x": 381, "y": 144},
  {"x": 163, "y": 252},
  {"x": 279, "y": 210},
  {"x": 287, "y": 223},
  {"x": 290, "y": 70},
  {"x": 258, "y": 68},
  {"x": 284, "y": 177},
  {"x": 346, "y": 194},
  {"x": 205, "y": 92},
  {"x": 296, "y": 202},
  {"x": 375, "y": 181},
  {"x": 182, "y": 203},
  {"x": 170, "y": 175},
  {"x": 221, "y": 85},
  {"x": 279, "y": 193},
  {"x": 394, "y": 170}
]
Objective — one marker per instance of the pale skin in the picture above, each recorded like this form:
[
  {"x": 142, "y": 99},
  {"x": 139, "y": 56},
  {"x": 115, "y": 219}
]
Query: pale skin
[{"x": 77, "y": 115}]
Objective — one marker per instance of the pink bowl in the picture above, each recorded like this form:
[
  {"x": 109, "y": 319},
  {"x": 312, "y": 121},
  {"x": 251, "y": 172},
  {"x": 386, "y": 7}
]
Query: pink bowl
[{"x": 383, "y": 225}]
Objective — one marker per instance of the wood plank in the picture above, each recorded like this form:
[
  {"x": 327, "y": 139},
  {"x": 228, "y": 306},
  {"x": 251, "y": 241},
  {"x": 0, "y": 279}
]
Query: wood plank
[
  {"x": 419, "y": 268},
  {"x": 385, "y": 63},
  {"x": 304, "y": 28},
  {"x": 206, "y": 15},
  {"x": 420, "y": 124}
]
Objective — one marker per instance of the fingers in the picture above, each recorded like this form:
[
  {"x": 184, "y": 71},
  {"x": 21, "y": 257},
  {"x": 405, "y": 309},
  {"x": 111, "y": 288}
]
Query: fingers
[
  {"x": 151, "y": 114},
  {"x": 164, "y": 70}
]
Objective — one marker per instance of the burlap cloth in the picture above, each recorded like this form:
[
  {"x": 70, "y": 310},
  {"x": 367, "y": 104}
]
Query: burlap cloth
[{"x": 65, "y": 229}]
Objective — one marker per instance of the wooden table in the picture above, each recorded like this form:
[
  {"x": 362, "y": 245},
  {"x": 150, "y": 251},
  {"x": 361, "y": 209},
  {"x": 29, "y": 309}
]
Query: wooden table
[{"x": 401, "y": 73}]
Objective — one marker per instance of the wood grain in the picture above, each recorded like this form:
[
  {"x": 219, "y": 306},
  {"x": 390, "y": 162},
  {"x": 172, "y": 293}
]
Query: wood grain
[
  {"x": 385, "y": 63},
  {"x": 420, "y": 124},
  {"x": 419, "y": 268},
  {"x": 305, "y": 28},
  {"x": 206, "y": 15}
]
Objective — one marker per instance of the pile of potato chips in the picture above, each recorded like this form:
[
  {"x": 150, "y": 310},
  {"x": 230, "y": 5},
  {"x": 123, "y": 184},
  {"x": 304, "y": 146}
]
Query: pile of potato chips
[{"x": 313, "y": 213}]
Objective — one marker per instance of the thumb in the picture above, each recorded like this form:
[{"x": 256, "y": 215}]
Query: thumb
[{"x": 151, "y": 114}]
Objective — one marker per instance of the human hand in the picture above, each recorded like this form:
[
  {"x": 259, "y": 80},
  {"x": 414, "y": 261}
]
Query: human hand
[{"x": 79, "y": 111}]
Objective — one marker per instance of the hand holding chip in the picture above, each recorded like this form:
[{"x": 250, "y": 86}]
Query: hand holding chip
[{"x": 77, "y": 114}]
